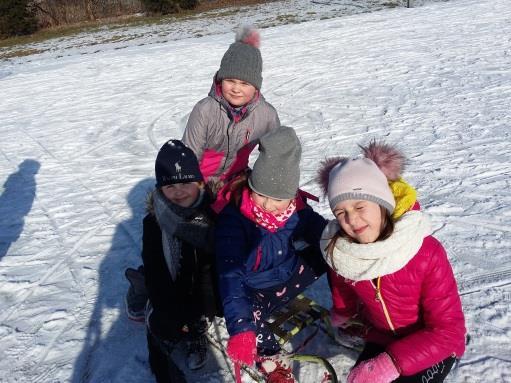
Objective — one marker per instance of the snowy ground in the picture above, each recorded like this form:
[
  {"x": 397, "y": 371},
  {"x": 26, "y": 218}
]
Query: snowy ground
[
  {"x": 79, "y": 135},
  {"x": 217, "y": 21}
]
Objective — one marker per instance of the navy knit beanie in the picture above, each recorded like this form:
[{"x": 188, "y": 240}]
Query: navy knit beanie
[{"x": 176, "y": 163}]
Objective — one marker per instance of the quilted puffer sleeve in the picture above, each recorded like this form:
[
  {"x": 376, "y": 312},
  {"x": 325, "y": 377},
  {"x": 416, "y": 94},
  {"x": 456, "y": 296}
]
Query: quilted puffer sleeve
[
  {"x": 344, "y": 299},
  {"x": 231, "y": 250},
  {"x": 196, "y": 130},
  {"x": 444, "y": 330}
]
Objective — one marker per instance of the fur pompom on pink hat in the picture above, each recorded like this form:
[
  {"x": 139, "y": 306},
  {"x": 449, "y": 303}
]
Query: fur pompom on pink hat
[
  {"x": 365, "y": 178},
  {"x": 390, "y": 160}
]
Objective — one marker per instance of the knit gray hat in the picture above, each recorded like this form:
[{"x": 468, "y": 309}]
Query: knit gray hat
[
  {"x": 276, "y": 172},
  {"x": 243, "y": 59}
]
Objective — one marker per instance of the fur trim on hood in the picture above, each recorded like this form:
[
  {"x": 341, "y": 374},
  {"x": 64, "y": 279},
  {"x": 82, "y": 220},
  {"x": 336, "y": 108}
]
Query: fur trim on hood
[{"x": 149, "y": 202}]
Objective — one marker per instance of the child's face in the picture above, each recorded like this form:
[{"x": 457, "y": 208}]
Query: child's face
[
  {"x": 237, "y": 92},
  {"x": 361, "y": 220},
  {"x": 271, "y": 205},
  {"x": 183, "y": 194}
]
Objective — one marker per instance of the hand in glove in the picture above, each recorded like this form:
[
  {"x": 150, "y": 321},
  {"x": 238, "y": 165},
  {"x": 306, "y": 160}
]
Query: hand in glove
[
  {"x": 380, "y": 369},
  {"x": 242, "y": 348}
]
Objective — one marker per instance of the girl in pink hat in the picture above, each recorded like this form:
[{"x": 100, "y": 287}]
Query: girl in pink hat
[{"x": 388, "y": 271}]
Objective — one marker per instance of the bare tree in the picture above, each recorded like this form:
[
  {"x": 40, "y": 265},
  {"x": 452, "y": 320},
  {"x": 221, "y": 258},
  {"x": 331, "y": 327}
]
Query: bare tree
[{"x": 89, "y": 10}]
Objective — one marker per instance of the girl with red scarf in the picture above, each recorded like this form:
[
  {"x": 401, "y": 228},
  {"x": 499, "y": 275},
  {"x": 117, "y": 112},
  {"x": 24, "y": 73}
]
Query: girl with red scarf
[{"x": 266, "y": 247}]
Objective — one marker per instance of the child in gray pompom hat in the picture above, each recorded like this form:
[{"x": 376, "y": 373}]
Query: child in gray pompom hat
[
  {"x": 243, "y": 60},
  {"x": 276, "y": 172},
  {"x": 225, "y": 127}
]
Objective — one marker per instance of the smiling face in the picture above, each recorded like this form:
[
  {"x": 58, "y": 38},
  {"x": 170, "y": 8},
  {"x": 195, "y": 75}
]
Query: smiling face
[
  {"x": 182, "y": 194},
  {"x": 237, "y": 92},
  {"x": 271, "y": 205},
  {"x": 361, "y": 220}
]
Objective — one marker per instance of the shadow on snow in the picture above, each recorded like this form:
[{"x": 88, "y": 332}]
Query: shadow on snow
[
  {"x": 16, "y": 202},
  {"x": 114, "y": 348}
]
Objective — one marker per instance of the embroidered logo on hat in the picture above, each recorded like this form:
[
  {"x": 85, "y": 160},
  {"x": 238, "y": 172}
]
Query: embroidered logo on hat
[{"x": 176, "y": 163}]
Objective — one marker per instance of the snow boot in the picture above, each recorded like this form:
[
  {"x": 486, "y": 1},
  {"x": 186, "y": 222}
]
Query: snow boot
[
  {"x": 197, "y": 352},
  {"x": 165, "y": 370},
  {"x": 197, "y": 344},
  {"x": 136, "y": 297}
]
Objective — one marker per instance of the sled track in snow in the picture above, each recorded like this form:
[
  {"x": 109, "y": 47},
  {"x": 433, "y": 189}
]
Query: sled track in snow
[
  {"x": 480, "y": 282},
  {"x": 479, "y": 223},
  {"x": 28, "y": 337},
  {"x": 30, "y": 291},
  {"x": 150, "y": 131},
  {"x": 77, "y": 309},
  {"x": 64, "y": 166},
  {"x": 113, "y": 140},
  {"x": 180, "y": 122},
  {"x": 81, "y": 240}
]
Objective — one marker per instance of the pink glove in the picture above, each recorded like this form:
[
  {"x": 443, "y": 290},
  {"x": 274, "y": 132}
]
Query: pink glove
[
  {"x": 380, "y": 369},
  {"x": 241, "y": 348}
]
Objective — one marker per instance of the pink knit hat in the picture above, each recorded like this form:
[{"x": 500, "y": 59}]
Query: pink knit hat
[
  {"x": 363, "y": 178},
  {"x": 359, "y": 179}
]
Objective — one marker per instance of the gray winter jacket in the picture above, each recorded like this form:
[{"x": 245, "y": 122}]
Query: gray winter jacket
[{"x": 216, "y": 136}]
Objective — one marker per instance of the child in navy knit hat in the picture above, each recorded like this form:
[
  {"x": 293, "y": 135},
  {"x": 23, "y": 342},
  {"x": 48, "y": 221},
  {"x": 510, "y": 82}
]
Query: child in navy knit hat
[
  {"x": 176, "y": 164},
  {"x": 178, "y": 268}
]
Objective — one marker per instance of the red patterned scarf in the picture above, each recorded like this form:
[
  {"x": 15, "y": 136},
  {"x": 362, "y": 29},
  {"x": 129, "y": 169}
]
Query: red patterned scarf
[{"x": 271, "y": 222}]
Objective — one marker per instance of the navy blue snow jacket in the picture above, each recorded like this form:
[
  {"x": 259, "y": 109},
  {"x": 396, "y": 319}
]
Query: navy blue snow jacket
[{"x": 250, "y": 258}]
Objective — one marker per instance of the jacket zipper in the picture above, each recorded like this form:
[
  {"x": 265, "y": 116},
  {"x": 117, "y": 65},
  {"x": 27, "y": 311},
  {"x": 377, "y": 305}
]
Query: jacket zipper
[
  {"x": 228, "y": 144},
  {"x": 379, "y": 298}
]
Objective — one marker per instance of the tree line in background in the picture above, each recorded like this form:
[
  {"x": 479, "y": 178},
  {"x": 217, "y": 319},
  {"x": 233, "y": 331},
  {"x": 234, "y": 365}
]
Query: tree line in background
[{"x": 22, "y": 17}]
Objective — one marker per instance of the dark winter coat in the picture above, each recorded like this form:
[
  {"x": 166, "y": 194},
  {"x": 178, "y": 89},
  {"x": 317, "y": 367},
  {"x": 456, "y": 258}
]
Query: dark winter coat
[
  {"x": 185, "y": 300},
  {"x": 249, "y": 258}
]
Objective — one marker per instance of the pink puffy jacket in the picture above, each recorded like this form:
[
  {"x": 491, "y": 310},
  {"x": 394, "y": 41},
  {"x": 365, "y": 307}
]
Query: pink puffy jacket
[{"x": 419, "y": 316}]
